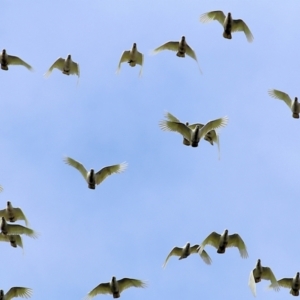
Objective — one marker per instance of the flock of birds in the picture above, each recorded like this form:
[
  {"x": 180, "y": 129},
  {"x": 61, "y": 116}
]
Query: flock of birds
[{"x": 191, "y": 133}]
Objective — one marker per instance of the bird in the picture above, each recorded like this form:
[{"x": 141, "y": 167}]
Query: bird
[
  {"x": 1, "y": 188},
  {"x": 133, "y": 57},
  {"x": 196, "y": 132},
  {"x": 115, "y": 287},
  {"x": 91, "y": 177},
  {"x": 16, "y": 292},
  {"x": 14, "y": 240},
  {"x": 211, "y": 137},
  {"x": 67, "y": 66},
  {"x": 293, "y": 105},
  {"x": 230, "y": 25},
  {"x": 259, "y": 273},
  {"x": 224, "y": 240},
  {"x": 290, "y": 283},
  {"x": 12, "y": 60},
  {"x": 9, "y": 229},
  {"x": 185, "y": 251},
  {"x": 181, "y": 47},
  {"x": 13, "y": 214}
]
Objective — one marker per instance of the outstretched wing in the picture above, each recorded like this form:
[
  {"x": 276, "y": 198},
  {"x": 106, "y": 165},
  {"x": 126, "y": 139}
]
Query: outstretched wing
[
  {"x": 58, "y": 64},
  {"x": 15, "y": 60},
  {"x": 124, "y": 58},
  {"x": 72, "y": 162},
  {"x": 204, "y": 255},
  {"x": 284, "y": 282},
  {"x": 175, "y": 126},
  {"x": 234, "y": 240},
  {"x": 18, "y": 292},
  {"x": 140, "y": 61},
  {"x": 19, "y": 229},
  {"x": 173, "y": 46},
  {"x": 102, "y": 288},
  {"x": 190, "y": 52},
  {"x": 281, "y": 96},
  {"x": 126, "y": 283},
  {"x": 106, "y": 171},
  {"x": 217, "y": 15},
  {"x": 170, "y": 117},
  {"x": 252, "y": 284},
  {"x": 176, "y": 251},
  {"x": 212, "y": 239},
  {"x": 211, "y": 125},
  {"x": 240, "y": 25},
  {"x": 20, "y": 215},
  {"x": 268, "y": 275}
]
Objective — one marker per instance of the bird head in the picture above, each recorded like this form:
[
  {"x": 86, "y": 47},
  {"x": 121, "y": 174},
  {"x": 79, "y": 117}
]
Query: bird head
[
  {"x": 3, "y": 51},
  {"x": 296, "y": 99},
  {"x": 297, "y": 275},
  {"x": 134, "y": 45},
  {"x": 92, "y": 172},
  {"x": 183, "y": 38},
  {"x": 69, "y": 56},
  {"x": 9, "y": 204},
  {"x": 1, "y": 294},
  {"x": 258, "y": 262}
]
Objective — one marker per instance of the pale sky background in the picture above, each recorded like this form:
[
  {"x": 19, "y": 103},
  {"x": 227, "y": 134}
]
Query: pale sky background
[{"x": 170, "y": 194}]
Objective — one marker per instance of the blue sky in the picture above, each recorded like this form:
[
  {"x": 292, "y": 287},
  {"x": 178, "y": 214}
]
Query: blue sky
[{"x": 170, "y": 194}]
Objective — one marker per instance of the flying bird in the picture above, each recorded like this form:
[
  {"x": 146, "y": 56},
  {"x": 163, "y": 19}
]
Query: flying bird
[
  {"x": 133, "y": 57},
  {"x": 259, "y": 273},
  {"x": 293, "y": 105},
  {"x": 8, "y": 229},
  {"x": 291, "y": 283},
  {"x": 181, "y": 47},
  {"x": 16, "y": 292},
  {"x": 186, "y": 251},
  {"x": 115, "y": 287},
  {"x": 230, "y": 25},
  {"x": 13, "y": 214},
  {"x": 14, "y": 240},
  {"x": 91, "y": 177},
  {"x": 224, "y": 240},
  {"x": 67, "y": 66},
  {"x": 12, "y": 60},
  {"x": 195, "y": 132}
]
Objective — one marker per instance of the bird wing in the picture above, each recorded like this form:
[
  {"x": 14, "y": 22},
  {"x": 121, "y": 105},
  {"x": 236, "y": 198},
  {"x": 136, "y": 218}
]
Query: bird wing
[
  {"x": 173, "y": 46},
  {"x": 252, "y": 284},
  {"x": 126, "y": 283},
  {"x": 140, "y": 61},
  {"x": 190, "y": 52},
  {"x": 284, "y": 282},
  {"x": 2, "y": 213},
  {"x": 58, "y": 64},
  {"x": 206, "y": 258},
  {"x": 72, "y": 162},
  {"x": 102, "y": 288},
  {"x": 282, "y": 96},
  {"x": 75, "y": 69},
  {"x": 211, "y": 125},
  {"x": 212, "y": 239},
  {"x": 268, "y": 275},
  {"x": 104, "y": 172},
  {"x": 176, "y": 126},
  {"x": 19, "y": 229},
  {"x": 124, "y": 58},
  {"x": 240, "y": 25},
  {"x": 18, "y": 240},
  {"x": 15, "y": 60},
  {"x": 170, "y": 117},
  {"x": 18, "y": 292},
  {"x": 234, "y": 240},
  {"x": 4, "y": 238},
  {"x": 20, "y": 215},
  {"x": 216, "y": 139},
  {"x": 213, "y": 15},
  {"x": 176, "y": 251}
]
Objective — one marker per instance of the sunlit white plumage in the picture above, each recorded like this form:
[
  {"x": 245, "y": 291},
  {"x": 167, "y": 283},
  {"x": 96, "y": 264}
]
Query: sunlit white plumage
[
  {"x": 116, "y": 287},
  {"x": 16, "y": 292},
  {"x": 13, "y": 214},
  {"x": 181, "y": 47},
  {"x": 133, "y": 57},
  {"x": 194, "y": 133},
  {"x": 93, "y": 178},
  {"x": 66, "y": 65},
  {"x": 230, "y": 25},
  {"x": 224, "y": 240},
  {"x": 10, "y": 229},
  {"x": 259, "y": 273},
  {"x": 6, "y": 60},
  {"x": 185, "y": 251},
  {"x": 293, "y": 105},
  {"x": 14, "y": 240},
  {"x": 291, "y": 283}
]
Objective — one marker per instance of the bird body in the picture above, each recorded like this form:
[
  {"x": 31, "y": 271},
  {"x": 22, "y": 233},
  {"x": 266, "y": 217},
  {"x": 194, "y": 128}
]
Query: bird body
[
  {"x": 259, "y": 273},
  {"x": 13, "y": 214},
  {"x": 93, "y": 178},
  {"x": 6, "y": 60},
  {"x": 16, "y": 292},
  {"x": 133, "y": 57},
  {"x": 115, "y": 287},
  {"x": 185, "y": 251},
  {"x": 224, "y": 240},
  {"x": 229, "y": 25},
  {"x": 291, "y": 283}
]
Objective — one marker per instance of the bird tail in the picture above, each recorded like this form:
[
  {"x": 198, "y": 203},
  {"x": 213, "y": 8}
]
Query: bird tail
[
  {"x": 294, "y": 292},
  {"x": 295, "y": 115},
  {"x": 227, "y": 35},
  {"x": 4, "y": 67},
  {"x": 92, "y": 186},
  {"x": 180, "y": 54},
  {"x": 195, "y": 144},
  {"x": 116, "y": 295}
]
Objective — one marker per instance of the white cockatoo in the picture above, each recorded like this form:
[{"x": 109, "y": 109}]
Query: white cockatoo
[
  {"x": 115, "y": 287},
  {"x": 93, "y": 178},
  {"x": 293, "y": 105},
  {"x": 6, "y": 60},
  {"x": 14, "y": 240},
  {"x": 13, "y": 214},
  {"x": 16, "y": 292},
  {"x": 180, "y": 47},
  {"x": 259, "y": 273},
  {"x": 9, "y": 229},
  {"x": 224, "y": 240},
  {"x": 291, "y": 283},
  {"x": 185, "y": 251},
  {"x": 230, "y": 25},
  {"x": 132, "y": 57}
]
